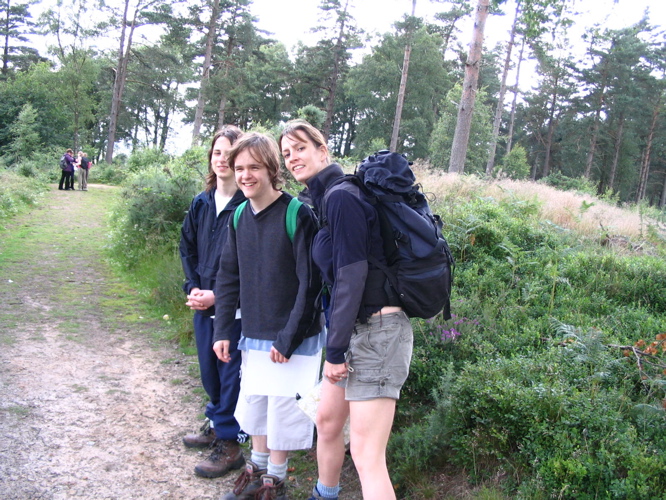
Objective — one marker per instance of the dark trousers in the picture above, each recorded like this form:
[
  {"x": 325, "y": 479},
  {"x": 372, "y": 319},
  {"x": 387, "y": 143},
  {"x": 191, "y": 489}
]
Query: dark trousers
[
  {"x": 221, "y": 381},
  {"x": 68, "y": 179}
]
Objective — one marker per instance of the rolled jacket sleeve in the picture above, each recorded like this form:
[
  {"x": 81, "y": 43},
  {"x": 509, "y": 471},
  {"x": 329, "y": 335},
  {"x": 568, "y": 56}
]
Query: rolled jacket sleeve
[{"x": 348, "y": 221}]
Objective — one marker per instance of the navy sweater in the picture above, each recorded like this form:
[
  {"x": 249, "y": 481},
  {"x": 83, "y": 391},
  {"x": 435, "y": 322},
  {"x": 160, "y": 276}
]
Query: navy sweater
[
  {"x": 274, "y": 279},
  {"x": 202, "y": 238},
  {"x": 341, "y": 250}
]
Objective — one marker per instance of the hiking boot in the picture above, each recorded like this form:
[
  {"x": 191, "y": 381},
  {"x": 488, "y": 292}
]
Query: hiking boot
[
  {"x": 247, "y": 483},
  {"x": 226, "y": 456},
  {"x": 204, "y": 439},
  {"x": 271, "y": 488},
  {"x": 317, "y": 496}
]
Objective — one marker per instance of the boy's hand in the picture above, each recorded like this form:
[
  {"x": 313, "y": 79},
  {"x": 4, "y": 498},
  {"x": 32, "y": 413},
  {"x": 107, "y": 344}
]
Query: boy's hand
[
  {"x": 221, "y": 348},
  {"x": 276, "y": 357},
  {"x": 200, "y": 300}
]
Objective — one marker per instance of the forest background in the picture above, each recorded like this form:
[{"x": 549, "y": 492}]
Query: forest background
[
  {"x": 134, "y": 74},
  {"x": 549, "y": 381}
]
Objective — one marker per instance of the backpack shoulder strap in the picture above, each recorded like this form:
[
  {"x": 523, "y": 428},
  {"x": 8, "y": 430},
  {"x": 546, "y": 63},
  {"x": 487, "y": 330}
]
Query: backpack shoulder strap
[
  {"x": 343, "y": 182},
  {"x": 292, "y": 217},
  {"x": 237, "y": 213}
]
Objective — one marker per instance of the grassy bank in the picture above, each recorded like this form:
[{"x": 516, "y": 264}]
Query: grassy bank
[{"x": 549, "y": 380}]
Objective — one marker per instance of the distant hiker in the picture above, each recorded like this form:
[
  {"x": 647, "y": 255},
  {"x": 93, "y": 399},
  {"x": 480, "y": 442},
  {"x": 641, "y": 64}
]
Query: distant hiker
[
  {"x": 267, "y": 266},
  {"x": 84, "y": 167},
  {"x": 369, "y": 343},
  {"x": 203, "y": 236},
  {"x": 67, "y": 167}
]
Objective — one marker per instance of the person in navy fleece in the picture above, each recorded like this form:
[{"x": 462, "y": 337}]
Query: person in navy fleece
[
  {"x": 369, "y": 342},
  {"x": 203, "y": 234}
]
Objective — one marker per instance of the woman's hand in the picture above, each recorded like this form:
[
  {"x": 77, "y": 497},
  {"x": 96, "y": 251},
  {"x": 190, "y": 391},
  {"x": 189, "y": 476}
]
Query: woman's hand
[{"x": 335, "y": 373}]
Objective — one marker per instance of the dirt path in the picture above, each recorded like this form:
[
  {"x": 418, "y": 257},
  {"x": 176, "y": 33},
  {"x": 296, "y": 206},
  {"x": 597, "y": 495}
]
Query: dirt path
[{"x": 91, "y": 406}]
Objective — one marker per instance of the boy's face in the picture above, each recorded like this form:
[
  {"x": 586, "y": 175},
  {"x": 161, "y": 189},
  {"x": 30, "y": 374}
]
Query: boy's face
[
  {"x": 252, "y": 176},
  {"x": 218, "y": 159}
]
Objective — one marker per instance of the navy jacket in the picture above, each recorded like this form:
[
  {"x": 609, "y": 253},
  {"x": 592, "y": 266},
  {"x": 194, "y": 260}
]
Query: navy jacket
[
  {"x": 202, "y": 238},
  {"x": 340, "y": 251}
]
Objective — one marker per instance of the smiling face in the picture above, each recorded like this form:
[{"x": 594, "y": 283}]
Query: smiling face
[
  {"x": 218, "y": 159},
  {"x": 252, "y": 177},
  {"x": 302, "y": 157}
]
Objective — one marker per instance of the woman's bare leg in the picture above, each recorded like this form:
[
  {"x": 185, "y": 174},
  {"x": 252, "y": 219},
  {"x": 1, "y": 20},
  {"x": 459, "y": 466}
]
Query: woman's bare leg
[{"x": 371, "y": 423}]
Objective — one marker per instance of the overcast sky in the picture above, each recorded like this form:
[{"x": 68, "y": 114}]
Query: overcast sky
[{"x": 291, "y": 20}]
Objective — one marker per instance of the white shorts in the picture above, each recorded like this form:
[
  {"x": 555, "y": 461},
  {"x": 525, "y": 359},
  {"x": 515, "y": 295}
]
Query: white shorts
[{"x": 276, "y": 417}]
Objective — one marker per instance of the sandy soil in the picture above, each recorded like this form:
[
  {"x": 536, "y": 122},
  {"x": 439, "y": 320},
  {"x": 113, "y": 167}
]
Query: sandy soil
[{"x": 90, "y": 406}]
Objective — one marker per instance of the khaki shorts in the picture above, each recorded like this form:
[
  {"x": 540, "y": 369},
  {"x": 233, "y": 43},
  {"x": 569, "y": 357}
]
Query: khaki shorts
[{"x": 378, "y": 357}]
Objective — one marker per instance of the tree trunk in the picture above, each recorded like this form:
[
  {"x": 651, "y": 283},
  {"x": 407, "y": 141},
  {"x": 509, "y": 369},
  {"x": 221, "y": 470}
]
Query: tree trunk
[
  {"x": 205, "y": 76},
  {"x": 156, "y": 129},
  {"x": 593, "y": 145},
  {"x": 119, "y": 83},
  {"x": 545, "y": 172},
  {"x": 464, "y": 122},
  {"x": 335, "y": 77},
  {"x": 512, "y": 120},
  {"x": 595, "y": 126},
  {"x": 401, "y": 98},
  {"x": 5, "y": 53},
  {"x": 645, "y": 164},
  {"x": 551, "y": 130},
  {"x": 500, "y": 101},
  {"x": 403, "y": 87},
  {"x": 616, "y": 156},
  {"x": 165, "y": 130},
  {"x": 662, "y": 201},
  {"x": 221, "y": 111}
]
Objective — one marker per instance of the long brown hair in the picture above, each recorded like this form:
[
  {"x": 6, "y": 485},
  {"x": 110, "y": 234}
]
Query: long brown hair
[
  {"x": 232, "y": 133},
  {"x": 264, "y": 150}
]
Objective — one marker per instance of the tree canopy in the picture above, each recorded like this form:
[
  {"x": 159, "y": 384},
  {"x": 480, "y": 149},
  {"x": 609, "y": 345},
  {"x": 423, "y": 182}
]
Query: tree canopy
[{"x": 143, "y": 73}]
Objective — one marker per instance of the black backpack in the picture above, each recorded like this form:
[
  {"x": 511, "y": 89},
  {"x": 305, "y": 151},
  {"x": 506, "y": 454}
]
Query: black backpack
[
  {"x": 63, "y": 163},
  {"x": 420, "y": 265}
]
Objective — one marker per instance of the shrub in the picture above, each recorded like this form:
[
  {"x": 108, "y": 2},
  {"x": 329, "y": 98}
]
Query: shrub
[
  {"x": 141, "y": 159},
  {"x": 514, "y": 165},
  {"x": 18, "y": 193},
  {"x": 150, "y": 213},
  {"x": 578, "y": 184},
  {"x": 638, "y": 280},
  {"x": 113, "y": 174}
]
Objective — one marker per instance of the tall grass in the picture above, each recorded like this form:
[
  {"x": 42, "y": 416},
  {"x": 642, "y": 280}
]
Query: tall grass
[{"x": 585, "y": 214}]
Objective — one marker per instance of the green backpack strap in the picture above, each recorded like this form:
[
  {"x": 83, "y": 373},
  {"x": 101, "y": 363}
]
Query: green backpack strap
[
  {"x": 291, "y": 218},
  {"x": 237, "y": 213}
]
